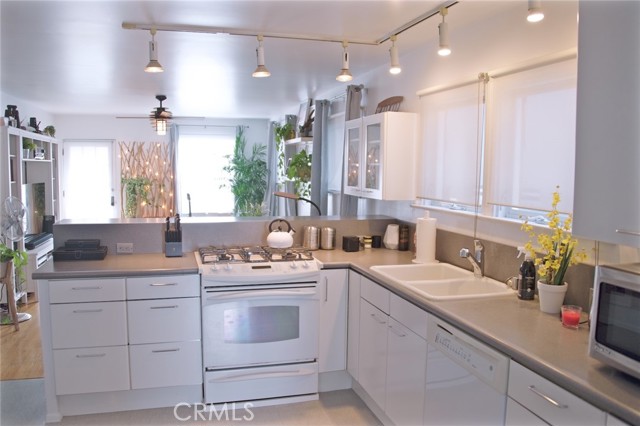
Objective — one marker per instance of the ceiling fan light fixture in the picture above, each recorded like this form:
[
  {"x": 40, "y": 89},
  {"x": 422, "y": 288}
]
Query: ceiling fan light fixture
[
  {"x": 153, "y": 65},
  {"x": 160, "y": 117},
  {"x": 535, "y": 13},
  {"x": 345, "y": 74},
  {"x": 443, "y": 35},
  {"x": 161, "y": 126},
  {"x": 261, "y": 70},
  {"x": 395, "y": 61}
]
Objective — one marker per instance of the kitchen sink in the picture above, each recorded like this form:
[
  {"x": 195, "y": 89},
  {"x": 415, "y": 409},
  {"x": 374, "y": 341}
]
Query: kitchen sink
[{"x": 443, "y": 281}]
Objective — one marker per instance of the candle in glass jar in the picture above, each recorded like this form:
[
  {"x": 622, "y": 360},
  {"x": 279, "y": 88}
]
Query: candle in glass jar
[{"x": 571, "y": 316}]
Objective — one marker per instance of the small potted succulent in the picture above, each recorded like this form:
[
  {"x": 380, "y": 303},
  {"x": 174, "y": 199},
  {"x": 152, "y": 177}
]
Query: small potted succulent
[{"x": 28, "y": 147}]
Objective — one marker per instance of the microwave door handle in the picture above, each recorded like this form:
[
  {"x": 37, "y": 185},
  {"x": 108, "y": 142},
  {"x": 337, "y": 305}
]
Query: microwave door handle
[{"x": 261, "y": 294}]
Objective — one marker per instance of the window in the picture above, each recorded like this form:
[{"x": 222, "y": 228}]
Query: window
[
  {"x": 202, "y": 154},
  {"x": 88, "y": 188}
]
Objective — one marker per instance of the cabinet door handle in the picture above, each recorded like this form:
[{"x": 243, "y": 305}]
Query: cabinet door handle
[
  {"x": 627, "y": 232},
  {"x": 379, "y": 321},
  {"x": 86, "y": 311},
  {"x": 162, "y": 284},
  {"x": 158, "y": 351},
  {"x": 87, "y": 288},
  {"x": 326, "y": 288},
  {"x": 164, "y": 307},
  {"x": 91, "y": 355},
  {"x": 396, "y": 332},
  {"x": 547, "y": 398}
]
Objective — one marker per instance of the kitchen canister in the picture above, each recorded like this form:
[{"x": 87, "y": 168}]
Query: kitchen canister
[
  {"x": 311, "y": 237},
  {"x": 327, "y": 238},
  {"x": 391, "y": 236}
]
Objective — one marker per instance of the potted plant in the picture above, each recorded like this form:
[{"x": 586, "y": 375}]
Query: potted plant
[
  {"x": 559, "y": 251},
  {"x": 248, "y": 177},
  {"x": 282, "y": 132},
  {"x": 18, "y": 257},
  {"x": 299, "y": 172},
  {"x": 136, "y": 191},
  {"x": 28, "y": 146}
]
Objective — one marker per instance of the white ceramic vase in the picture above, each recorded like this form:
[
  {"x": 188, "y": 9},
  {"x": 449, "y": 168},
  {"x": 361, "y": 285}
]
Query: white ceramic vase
[{"x": 551, "y": 297}]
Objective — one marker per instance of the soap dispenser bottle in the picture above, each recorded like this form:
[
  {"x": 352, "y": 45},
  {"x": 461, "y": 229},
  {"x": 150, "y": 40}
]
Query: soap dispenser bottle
[{"x": 527, "y": 277}]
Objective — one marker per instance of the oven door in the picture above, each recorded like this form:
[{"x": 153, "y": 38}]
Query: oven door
[{"x": 259, "y": 325}]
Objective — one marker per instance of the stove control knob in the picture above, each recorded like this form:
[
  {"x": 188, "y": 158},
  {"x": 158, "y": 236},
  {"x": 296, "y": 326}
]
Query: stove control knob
[
  {"x": 228, "y": 267},
  {"x": 294, "y": 265},
  {"x": 305, "y": 264},
  {"x": 214, "y": 267}
]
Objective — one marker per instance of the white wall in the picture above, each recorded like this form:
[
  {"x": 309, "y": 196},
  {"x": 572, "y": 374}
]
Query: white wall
[{"x": 27, "y": 110}]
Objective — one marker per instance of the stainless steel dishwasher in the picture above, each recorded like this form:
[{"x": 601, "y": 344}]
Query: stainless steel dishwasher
[{"x": 466, "y": 379}]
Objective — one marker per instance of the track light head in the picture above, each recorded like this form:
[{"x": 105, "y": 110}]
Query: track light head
[
  {"x": 261, "y": 70},
  {"x": 345, "y": 74},
  {"x": 395, "y": 61},
  {"x": 535, "y": 11},
  {"x": 443, "y": 35},
  {"x": 153, "y": 65}
]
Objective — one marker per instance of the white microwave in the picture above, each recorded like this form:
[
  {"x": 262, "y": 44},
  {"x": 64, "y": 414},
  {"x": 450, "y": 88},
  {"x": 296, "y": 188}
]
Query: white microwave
[{"x": 614, "y": 335}]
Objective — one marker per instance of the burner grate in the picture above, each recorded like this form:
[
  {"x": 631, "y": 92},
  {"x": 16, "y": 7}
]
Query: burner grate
[{"x": 254, "y": 254}]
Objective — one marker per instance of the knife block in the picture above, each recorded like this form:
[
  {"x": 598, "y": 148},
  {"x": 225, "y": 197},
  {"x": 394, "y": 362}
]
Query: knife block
[{"x": 173, "y": 249}]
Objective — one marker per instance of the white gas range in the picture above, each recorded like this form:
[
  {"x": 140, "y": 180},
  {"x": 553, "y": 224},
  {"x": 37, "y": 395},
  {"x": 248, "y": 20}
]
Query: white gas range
[{"x": 259, "y": 323}]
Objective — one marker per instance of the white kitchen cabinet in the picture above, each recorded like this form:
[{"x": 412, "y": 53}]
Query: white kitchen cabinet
[
  {"x": 88, "y": 336},
  {"x": 517, "y": 415},
  {"x": 353, "y": 324},
  {"x": 549, "y": 401},
  {"x": 607, "y": 199},
  {"x": 379, "y": 159},
  {"x": 333, "y": 320},
  {"x": 372, "y": 362},
  {"x": 164, "y": 326},
  {"x": 406, "y": 362}
]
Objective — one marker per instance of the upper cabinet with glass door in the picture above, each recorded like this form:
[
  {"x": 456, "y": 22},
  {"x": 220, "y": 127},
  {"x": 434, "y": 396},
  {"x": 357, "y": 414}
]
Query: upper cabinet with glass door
[{"x": 380, "y": 156}]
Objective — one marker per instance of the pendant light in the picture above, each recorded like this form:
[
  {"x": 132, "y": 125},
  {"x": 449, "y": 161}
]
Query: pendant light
[
  {"x": 345, "y": 74},
  {"x": 443, "y": 31},
  {"x": 153, "y": 65},
  {"x": 395, "y": 61},
  {"x": 535, "y": 11},
  {"x": 161, "y": 126},
  {"x": 261, "y": 70}
]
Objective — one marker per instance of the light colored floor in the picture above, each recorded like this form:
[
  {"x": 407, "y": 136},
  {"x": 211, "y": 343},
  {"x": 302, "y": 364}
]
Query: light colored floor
[
  {"x": 21, "y": 351},
  {"x": 23, "y": 405}
]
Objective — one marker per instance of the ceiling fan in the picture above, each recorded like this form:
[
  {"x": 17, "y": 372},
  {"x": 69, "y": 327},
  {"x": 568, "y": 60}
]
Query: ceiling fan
[{"x": 160, "y": 117}]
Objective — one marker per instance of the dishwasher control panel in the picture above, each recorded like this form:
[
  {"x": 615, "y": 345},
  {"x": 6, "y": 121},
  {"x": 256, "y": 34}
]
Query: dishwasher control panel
[{"x": 486, "y": 363}]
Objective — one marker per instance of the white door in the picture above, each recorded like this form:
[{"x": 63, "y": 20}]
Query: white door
[{"x": 88, "y": 180}]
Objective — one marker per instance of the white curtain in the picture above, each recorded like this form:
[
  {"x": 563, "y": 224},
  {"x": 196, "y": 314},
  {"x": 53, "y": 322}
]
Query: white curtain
[
  {"x": 451, "y": 144},
  {"x": 531, "y": 136}
]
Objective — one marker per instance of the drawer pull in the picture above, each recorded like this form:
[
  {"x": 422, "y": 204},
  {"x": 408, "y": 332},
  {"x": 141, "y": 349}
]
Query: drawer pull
[
  {"x": 546, "y": 398},
  {"x": 379, "y": 321},
  {"x": 164, "y": 307},
  {"x": 86, "y": 311},
  {"x": 627, "y": 232},
  {"x": 97, "y": 287},
  {"x": 157, "y": 351},
  {"x": 162, "y": 284},
  {"x": 91, "y": 355},
  {"x": 396, "y": 332}
]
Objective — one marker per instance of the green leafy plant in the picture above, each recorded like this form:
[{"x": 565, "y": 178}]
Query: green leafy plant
[
  {"x": 282, "y": 132},
  {"x": 136, "y": 193},
  {"x": 559, "y": 249},
  {"x": 299, "y": 172},
  {"x": 248, "y": 177},
  {"x": 50, "y": 131},
  {"x": 28, "y": 144},
  {"x": 19, "y": 258}
]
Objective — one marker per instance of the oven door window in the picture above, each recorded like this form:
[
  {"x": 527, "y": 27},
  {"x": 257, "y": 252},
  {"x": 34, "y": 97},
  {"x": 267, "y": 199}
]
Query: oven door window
[
  {"x": 618, "y": 323},
  {"x": 261, "y": 324}
]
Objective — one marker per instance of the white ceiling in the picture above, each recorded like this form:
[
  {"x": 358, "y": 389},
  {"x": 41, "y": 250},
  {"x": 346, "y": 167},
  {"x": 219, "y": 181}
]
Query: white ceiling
[{"x": 74, "y": 57}]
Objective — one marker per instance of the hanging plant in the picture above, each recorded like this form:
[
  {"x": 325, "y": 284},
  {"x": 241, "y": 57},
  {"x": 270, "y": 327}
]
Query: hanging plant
[
  {"x": 282, "y": 132},
  {"x": 299, "y": 172},
  {"x": 136, "y": 193}
]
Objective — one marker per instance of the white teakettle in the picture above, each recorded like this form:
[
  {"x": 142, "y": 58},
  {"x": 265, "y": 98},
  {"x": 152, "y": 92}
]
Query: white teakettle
[{"x": 278, "y": 238}]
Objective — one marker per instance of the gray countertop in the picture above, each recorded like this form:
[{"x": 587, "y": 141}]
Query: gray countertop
[
  {"x": 518, "y": 329},
  {"x": 515, "y": 327}
]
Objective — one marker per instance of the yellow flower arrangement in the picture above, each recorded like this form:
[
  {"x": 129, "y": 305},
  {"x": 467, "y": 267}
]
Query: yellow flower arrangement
[{"x": 559, "y": 249}]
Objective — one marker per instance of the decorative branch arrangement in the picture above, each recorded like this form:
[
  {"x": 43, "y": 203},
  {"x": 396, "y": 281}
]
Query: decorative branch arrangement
[{"x": 147, "y": 179}]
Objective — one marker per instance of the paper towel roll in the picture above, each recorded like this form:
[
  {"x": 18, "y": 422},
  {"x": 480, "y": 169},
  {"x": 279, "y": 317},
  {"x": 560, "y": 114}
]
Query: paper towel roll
[{"x": 426, "y": 240}]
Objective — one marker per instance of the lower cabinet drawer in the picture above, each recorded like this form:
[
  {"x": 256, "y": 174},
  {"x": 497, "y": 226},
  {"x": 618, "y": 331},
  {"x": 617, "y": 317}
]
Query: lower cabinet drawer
[
  {"x": 85, "y": 325},
  {"x": 549, "y": 401},
  {"x": 164, "y": 320},
  {"x": 260, "y": 382},
  {"x": 166, "y": 364},
  {"x": 90, "y": 370},
  {"x": 163, "y": 287}
]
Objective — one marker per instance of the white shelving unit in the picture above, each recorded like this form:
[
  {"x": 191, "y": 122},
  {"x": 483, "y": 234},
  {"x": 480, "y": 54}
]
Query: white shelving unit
[{"x": 18, "y": 167}]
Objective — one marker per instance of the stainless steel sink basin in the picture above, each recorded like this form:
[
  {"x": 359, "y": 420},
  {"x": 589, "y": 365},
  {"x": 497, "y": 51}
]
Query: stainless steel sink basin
[{"x": 442, "y": 281}]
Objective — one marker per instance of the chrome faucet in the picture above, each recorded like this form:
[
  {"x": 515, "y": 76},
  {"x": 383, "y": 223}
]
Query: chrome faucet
[{"x": 476, "y": 261}]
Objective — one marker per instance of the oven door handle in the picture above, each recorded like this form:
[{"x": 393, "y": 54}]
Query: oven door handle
[
  {"x": 261, "y": 294},
  {"x": 263, "y": 375}
]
